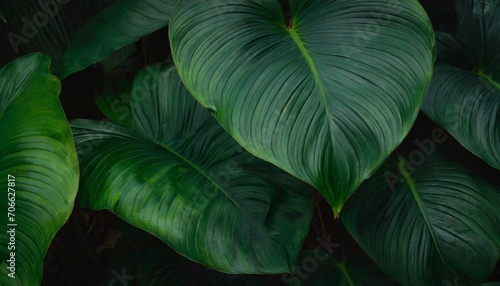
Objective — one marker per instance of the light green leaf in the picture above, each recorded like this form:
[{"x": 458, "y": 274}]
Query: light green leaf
[
  {"x": 177, "y": 174},
  {"x": 326, "y": 97},
  {"x": 427, "y": 224},
  {"x": 464, "y": 95},
  {"x": 119, "y": 25},
  {"x": 37, "y": 149}
]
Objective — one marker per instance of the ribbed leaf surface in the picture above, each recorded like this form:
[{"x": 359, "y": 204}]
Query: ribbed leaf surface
[
  {"x": 121, "y": 24},
  {"x": 177, "y": 174},
  {"x": 326, "y": 97},
  {"x": 464, "y": 95},
  {"x": 423, "y": 226},
  {"x": 37, "y": 150}
]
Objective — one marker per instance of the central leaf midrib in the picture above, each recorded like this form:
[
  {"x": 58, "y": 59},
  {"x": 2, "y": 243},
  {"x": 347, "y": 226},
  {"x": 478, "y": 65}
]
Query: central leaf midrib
[
  {"x": 489, "y": 79},
  {"x": 205, "y": 175},
  {"x": 343, "y": 269},
  {"x": 411, "y": 184},
  {"x": 310, "y": 62}
]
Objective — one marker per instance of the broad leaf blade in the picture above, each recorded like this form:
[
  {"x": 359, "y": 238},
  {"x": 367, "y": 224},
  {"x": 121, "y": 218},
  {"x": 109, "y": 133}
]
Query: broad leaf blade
[
  {"x": 427, "y": 224},
  {"x": 178, "y": 175},
  {"x": 121, "y": 24},
  {"x": 326, "y": 98},
  {"x": 464, "y": 95},
  {"x": 37, "y": 149}
]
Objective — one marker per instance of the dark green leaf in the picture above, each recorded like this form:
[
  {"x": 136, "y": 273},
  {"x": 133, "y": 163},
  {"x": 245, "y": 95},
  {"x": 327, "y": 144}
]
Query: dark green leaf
[
  {"x": 464, "y": 95},
  {"x": 427, "y": 224},
  {"x": 121, "y": 24},
  {"x": 178, "y": 175},
  {"x": 326, "y": 97},
  {"x": 45, "y": 26}
]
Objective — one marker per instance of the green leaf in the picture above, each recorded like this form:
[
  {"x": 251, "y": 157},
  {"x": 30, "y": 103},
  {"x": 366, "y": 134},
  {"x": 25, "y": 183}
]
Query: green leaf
[
  {"x": 114, "y": 100},
  {"x": 177, "y": 174},
  {"x": 326, "y": 97},
  {"x": 38, "y": 150},
  {"x": 45, "y": 26},
  {"x": 121, "y": 24},
  {"x": 427, "y": 224},
  {"x": 464, "y": 95},
  {"x": 117, "y": 58}
]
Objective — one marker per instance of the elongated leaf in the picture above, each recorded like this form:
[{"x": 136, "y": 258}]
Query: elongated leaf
[
  {"x": 45, "y": 26},
  {"x": 37, "y": 154},
  {"x": 121, "y": 24},
  {"x": 429, "y": 223},
  {"x": 178, "y": 175},
  {"x": 464, "y": 96},
  {"x": 326, "y": 97}
]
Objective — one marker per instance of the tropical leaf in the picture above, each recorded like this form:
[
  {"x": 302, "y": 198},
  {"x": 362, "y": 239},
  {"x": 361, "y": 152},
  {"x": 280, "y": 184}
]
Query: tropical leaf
[
  {"x": 464, "y": 95},
  {"x": 117, "y": 58},
  {"x": 114, "y": 100},
  {"x": 177, "y": 174},
  {"x": 121, "y": 24},
  {"x": 326, "y": 97},
  {"x": 425, "y": 224},
  {"x": 38, "y": 167},
  {"x": 45, "y": 26}
]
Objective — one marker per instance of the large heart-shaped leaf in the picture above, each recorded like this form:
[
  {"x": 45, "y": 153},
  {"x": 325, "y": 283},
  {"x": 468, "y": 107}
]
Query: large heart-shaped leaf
[
  {"x": 178, "y": 175},
  {"x": 326, "y": 97},
  {"x": 38, "y": 167},
  {"x": 429, "y": 223},
  {"x": 464, "y": 95},
  {"x": 121, "y": 24}
]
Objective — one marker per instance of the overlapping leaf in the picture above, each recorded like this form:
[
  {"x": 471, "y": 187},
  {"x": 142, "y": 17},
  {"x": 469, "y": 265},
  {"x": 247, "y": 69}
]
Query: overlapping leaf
[
  {"x": 326, "y": 96},
  {"x": 37, "y": 149},
  {"x": 464, "y": 95},
  {"x": 121, "y": 24},
  {"x": 428, "y": 224},
  {"x": 45, "y": 26},
  {"x": 177, "y": 174}
]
